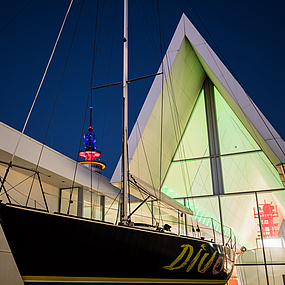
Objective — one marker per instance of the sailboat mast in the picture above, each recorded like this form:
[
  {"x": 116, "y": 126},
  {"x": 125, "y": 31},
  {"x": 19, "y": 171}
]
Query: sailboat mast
[{"x": 124, "y": 215}]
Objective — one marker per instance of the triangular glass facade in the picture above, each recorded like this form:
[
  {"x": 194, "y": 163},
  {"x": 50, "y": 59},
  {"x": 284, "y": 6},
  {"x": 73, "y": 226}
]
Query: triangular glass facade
[{"x": 244, "y": 165}]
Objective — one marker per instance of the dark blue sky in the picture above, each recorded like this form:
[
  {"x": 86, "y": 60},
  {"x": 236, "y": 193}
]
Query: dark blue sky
[{"x": 250, "y": 35}]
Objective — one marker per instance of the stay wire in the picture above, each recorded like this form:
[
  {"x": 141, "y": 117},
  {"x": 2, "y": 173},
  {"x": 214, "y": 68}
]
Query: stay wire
[
  {"x": 161, "y": 110},
  {"x": 108, "y": 80},
  {"x": 105, "y": 214},
  {"x": 54, "y": 105},
  {"x": 95, "y": 46},
  {"x": 41, "y": 83},
  {"x": 174, "y": 113},
  {"x": 91, "y": 103},
  {"x": 39, "y": 88},
  {"x": 143, "y": 146},
  {"x": 147, "y": 26},
  {"x": 59, "y": 87},
  {"x": 233, "y": 73},
  {"x": 142, "y": 142},
  {"x": 21, "y": 193},
  {"x": 14, "y": 17},
  {"x": 89, "y": 99}
]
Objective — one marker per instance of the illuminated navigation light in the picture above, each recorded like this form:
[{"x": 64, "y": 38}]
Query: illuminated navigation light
[{"x": 90, "y": 155}]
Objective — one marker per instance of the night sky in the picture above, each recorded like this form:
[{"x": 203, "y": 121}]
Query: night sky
[{"x": 249, "y": 36}]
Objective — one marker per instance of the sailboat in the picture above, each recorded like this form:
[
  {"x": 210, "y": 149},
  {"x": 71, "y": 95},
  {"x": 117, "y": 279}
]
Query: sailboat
[{"x": 53, "y": 247}]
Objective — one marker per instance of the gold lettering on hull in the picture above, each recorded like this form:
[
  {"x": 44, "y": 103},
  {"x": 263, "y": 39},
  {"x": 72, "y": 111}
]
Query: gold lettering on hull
[{"x": 185, "y": 258}]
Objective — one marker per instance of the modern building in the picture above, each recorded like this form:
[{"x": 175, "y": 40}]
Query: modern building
[{"x": 199, "y": 142}]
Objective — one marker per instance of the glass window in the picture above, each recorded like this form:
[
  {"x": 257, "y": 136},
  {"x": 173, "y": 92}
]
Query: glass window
[
  {"x": 111, "y": 210},
  {"x": 65, "y": 197},
  {"x": 238, "y": 215},
  {"x": 91, "y": 205},
  {"x": 194, "y": 142},
  {"x": 249, "y": 172},
  {"x": 233, "y": 136},
  {"x": 251, "y": 275},
  {"x": 188, "y": 178},
  {"x": 205, "y": 221}
]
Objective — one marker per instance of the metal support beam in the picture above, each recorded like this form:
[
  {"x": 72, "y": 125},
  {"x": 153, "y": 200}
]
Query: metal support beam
[
  {"x": 262, "y": 240},
  {"x": 213, "y": 138},
  {"x": 80, "y": 202},
  {"x": 41, "y": 186},
  {"x": 185, "y": 220},
  {"x": 214, "y": 148},
  {"x": 102, "y": 207}
]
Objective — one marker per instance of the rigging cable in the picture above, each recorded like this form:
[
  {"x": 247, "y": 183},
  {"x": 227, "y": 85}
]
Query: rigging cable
[
  {"x": 85, "y": 114},
  {"x": 175, "y": 115},
  {"x": 162, "y": 109},
  {"x": 58, "y": 90},
  {"x": 91, "y": 103},
  {"x": 144, "y": 20},
  {"x": 43, "y": 78},
  {"x": 109, "y": 74},
  {"x": 143, "y": 146},
  {"x": 14, "y": 187},
  {"x": 37, "y": 93},
  {"x": 162, "y": 41},
  {"x": 140, "y": 133},
  {"x": 231, "y": 70},
  {"x": 14, "y": 17},
  {"x": 111, "y": 29}
]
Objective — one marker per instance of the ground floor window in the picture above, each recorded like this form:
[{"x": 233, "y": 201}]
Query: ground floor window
[{"x": 82, "y": 202}]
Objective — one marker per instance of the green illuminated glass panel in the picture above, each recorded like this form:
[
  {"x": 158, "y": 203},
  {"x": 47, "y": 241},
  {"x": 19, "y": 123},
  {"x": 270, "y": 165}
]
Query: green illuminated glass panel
[
  {"x": 247, "y": 172},
  {"x": 233, "y": 136},
  {"x": 188, "y": 178},
  {"x": 194, "y": 142}
]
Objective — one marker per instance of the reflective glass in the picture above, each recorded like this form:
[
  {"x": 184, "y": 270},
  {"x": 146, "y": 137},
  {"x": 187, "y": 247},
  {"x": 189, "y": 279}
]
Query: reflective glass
[
  {"x": 205, "y": 221},
  {"x": 194, "y": 142},
  {"x": 111, "y": 210},
  {"x": 251, "y": 275},
  {"x": 276, "y": 274},
  {"x": 247, "y": 172},
  {"x": 188, "y": 178},
  {"x": 239, "y": 221},
  {"x": 271, "y": 210},
  {"x": 91, "y": 205},
  {"x": 233, "y": 136},
  {"x": 65, "y": 197}
]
